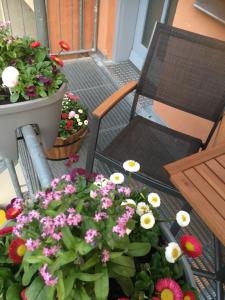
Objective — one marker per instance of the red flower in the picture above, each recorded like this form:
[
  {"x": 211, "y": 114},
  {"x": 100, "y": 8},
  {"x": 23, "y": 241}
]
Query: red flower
[
  {"x": 64, "y": 45},
  {"x": 190, "y": 245},
  {"x": 6, "y": 230},
  {"x": 12, "y": 213},
  {"x": 17, "y": 250},
  {"x": 35, "y": 44},
  {"x": 57, "y": 60},
  {"x": 169, "y": 289},
  {"x": 73, "y": 158},
  {"x": 71, "y": 96},
  {"x": 189, "y": 295},
  {"x": 69, "y": 124},
  {"x": 123, "y": 298},
  {"x": 155, "y": 298},
  {"x": 22, "y": 294},
  {"x": 64, "y": 116}
]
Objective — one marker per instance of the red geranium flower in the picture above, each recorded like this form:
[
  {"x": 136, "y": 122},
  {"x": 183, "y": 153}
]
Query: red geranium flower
[
  {"x": 190, "y": 245},
  {"x": 189, "y": 295},
  {"x": 64, "y": 116},
  {"x": 6, "y": 230},
  {"x": 35, "y": 44},
  {"x": 17, "y": 250},
  {"x": 69, "y": 124},
  {"x": 22, "y": 294},
  {"x": 12, "y": 213},
  {"x": 169, "y": 289},
  {"x": 57, "y": 60},
  {"x": 64, "y": 45}
]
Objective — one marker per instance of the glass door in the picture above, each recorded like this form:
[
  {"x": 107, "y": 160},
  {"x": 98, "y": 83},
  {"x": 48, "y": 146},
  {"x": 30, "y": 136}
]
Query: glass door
[{"x": 149, "y": 12}]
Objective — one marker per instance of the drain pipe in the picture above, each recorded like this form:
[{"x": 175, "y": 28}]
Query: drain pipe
[{"x": 39, "y": 161}]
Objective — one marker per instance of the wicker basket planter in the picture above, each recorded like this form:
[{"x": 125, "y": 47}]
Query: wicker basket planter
[{"x": 63, "y": 148}]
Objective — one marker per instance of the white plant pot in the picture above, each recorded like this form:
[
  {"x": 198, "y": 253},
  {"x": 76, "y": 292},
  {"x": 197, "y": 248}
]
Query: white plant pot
[{"x": 45, "y": 112}]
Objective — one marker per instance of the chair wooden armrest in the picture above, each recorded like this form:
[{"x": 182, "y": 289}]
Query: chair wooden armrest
[
  {"x": 220, "y": 135},
  {"x": 112, "y": 100}
]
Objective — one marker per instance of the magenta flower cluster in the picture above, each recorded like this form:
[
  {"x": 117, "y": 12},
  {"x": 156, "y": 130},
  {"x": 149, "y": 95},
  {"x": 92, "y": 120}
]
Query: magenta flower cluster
[
  {"x": 121, "y": 225},
  {"x": 47, "y": 277}
]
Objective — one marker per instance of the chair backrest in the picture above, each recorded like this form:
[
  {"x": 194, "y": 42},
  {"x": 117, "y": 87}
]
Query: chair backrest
[{"x": 185, "y": 70}]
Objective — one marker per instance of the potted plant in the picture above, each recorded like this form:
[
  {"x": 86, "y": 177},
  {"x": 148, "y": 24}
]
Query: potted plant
[
  {"x": 72, "y": 128},
  {"x": 31, "y": 89},
  {"x": 87, "y": 237}
]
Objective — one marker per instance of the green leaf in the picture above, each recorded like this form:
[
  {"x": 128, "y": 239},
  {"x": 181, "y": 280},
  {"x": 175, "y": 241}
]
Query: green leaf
[
  {"x": 115, "y": 254},
  {"x": 14, "y": 97},
  {"x": 29, "y": 271},
  {"x": 126, "y": 285},
  {"x": 123, "y": 266},
  {"x": 60, "y": 286},
  {"x": 88, "y": 277},
  {"x": 68, "y": 284},
  {"x": 90, "y": 263},
  {"x": 102, "y": 285},
  {"x": 138, "y": 249},
  {"x": 65, "y": 258},
  {"x": 81, "y": 294},
  {"x": 83, "y": 248},
  {"x": 42, "y": 93},
  {"x": 68, "y": 238},
  {"x": 13, "y": 292},
  {"x": 38, "y": 259},
  {"x": 39, "y": 291}
]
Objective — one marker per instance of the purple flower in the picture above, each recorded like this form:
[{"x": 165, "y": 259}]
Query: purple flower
[
  {"x": 30, "y": 91},
  {"x": 60, "y": 220},
  {"x": 90, "y": 235},
  {"x": 105, "y": 256},
  {"x": 32, "y": 244},
  {"x": 73, "y": 219},
  {"x": 44, "y": 79},
  {"x": 106, "y": 202},
  {"x": 48, "y": 279}
]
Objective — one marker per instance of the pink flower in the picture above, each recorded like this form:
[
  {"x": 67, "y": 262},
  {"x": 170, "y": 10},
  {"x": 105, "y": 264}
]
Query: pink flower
[
  {"x": 122, "y": 221},
  {"x": 51, "y": 251},
  {"x": 32, "y": 244},
  {"x": 100, "y": 216},
  {"x": 71, "y": 114},
  {"x": 60, "y": 220},
  {"x": 48, "y": 279},
  {"x": 169, "y": 289},
  {"x": 93, "y": 194},
  {"x": 33, "y": 214},
  {"x": 190, "y": 245},
  {"x": 125, "y": 190},
  {"x": 18, "y": 204},
  {"x": 69, "y": 189},
  {"x": 57, "y": 236},
  {"x": 73, "y": 219},
  {"x": 71, "y": 96},
  {"x": 105, "y": 256},
  {"x": 90, "y": 235},
  {"x": 66, "y": 177},
  {"x": 54, "y": 182},
  {"x": 106, "y": 202}
]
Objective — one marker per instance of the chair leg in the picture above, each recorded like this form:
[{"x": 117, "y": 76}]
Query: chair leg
[
  {"x": 95, "y": 125},
  {"x": 134, "y": 105}
]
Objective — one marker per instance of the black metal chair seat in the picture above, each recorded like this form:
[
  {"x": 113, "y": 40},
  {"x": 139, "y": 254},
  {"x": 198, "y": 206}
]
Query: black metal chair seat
[{"x": 152, "y": 145}]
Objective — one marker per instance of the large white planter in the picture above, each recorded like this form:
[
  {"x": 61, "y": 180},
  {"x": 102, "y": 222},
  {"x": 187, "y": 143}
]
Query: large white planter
[{"x": 45, "y": 112}]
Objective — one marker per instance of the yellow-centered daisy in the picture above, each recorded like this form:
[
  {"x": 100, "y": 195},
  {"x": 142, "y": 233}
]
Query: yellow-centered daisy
[
  {"x": 131, "y": 166},
  {"x": 117, "y": 178},
  {"x": 154, "y": 199},
  {"x": 183, "y": 218},
  {"x": 172, "y": 252},
  {"x": 142, "y": 208},
  {"x": 147, "y": 221}
]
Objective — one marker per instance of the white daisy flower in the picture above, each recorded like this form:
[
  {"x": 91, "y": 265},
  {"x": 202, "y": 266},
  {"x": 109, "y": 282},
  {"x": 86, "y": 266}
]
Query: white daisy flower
[
  {"x": 154, "y": 199},
  {"x": 183, "y": 218},
  {"x": 117, "y": 178},
  {"x": 142, "y": 208},
  {"x": 172, "y": 252},
  {"x": 147, "y": 221},
  {"x": 80, "y": 123},
  {"x": 76, "y": 116},
  {"x": 131, "y": 166},
  {"x": 80, "y": 111},
  {"x": 128, "y": 201},
  {"x": 85, "y": 122}
]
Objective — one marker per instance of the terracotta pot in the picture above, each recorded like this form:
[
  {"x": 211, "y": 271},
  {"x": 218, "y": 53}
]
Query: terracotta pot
[
  {"x": 63, "y": 148},
  {"x": 45, "y": 112}
]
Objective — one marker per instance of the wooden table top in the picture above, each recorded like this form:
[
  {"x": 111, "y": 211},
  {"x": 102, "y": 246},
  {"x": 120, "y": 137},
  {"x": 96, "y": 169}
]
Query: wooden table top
[{"x": 201, "y": 180}]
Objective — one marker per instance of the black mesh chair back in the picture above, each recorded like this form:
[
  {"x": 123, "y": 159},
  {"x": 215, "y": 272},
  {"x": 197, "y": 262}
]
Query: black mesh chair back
[{"x": 178, "y": 72}]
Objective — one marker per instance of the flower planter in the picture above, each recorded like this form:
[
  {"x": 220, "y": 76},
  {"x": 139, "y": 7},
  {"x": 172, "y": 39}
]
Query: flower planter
[
  {"x": 63, "y": 148},
  {"x": 45, "y": 112}
]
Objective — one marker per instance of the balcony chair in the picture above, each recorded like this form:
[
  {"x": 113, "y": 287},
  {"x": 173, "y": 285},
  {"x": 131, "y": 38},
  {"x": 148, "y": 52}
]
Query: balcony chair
[{"x": 182, "y": 69}]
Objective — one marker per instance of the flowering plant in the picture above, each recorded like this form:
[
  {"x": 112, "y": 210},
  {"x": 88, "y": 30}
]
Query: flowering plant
[
  {"x": 26, "y": 69},
  {"x": 85, "y": 233},
  {"x": 73, "y": 117}
]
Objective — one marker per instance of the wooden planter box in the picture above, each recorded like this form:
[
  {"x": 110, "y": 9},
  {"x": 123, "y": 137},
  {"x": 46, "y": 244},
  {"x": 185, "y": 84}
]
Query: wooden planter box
[{"x": 63, "y": 148}]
